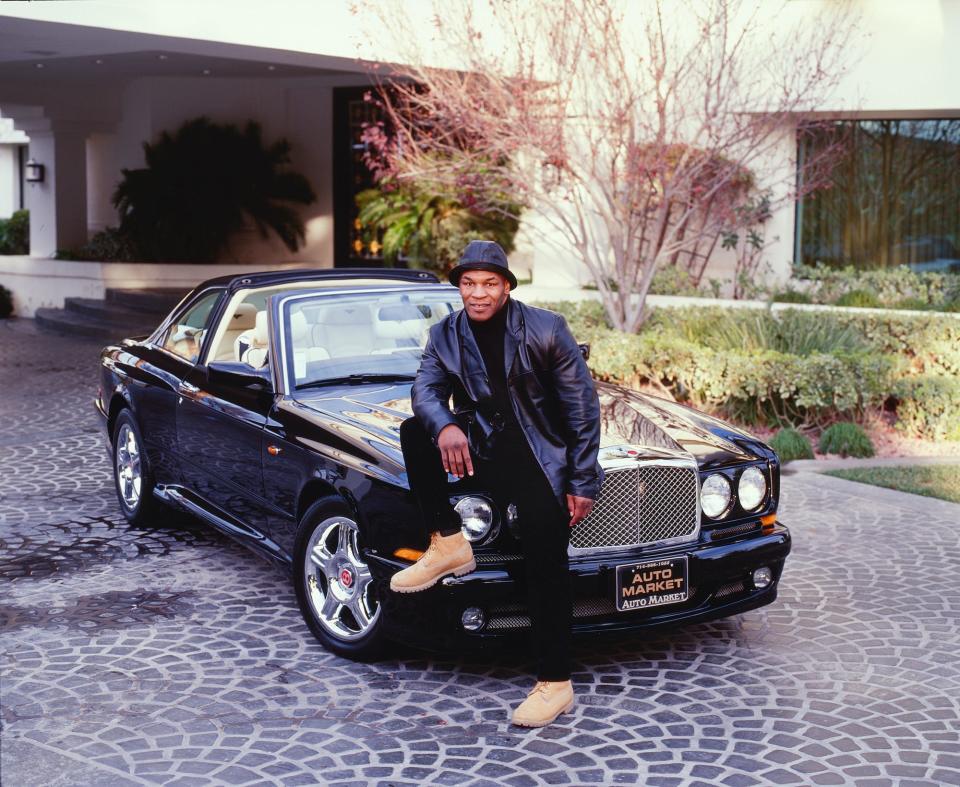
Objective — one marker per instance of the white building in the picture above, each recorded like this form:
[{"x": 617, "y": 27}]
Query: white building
[{"x": 84, "y": 84}]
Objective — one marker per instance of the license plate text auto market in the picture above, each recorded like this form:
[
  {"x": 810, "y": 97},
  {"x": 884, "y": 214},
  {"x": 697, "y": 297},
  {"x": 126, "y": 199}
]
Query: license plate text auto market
[{"x": 643, "y": 585}]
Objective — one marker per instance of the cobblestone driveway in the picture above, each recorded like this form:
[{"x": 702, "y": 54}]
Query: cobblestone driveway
[{"x": 172, "y": 656}]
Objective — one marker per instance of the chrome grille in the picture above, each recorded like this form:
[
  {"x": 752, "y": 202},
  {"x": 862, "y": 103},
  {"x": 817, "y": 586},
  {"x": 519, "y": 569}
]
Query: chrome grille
[{"x": 644, "y": 504}]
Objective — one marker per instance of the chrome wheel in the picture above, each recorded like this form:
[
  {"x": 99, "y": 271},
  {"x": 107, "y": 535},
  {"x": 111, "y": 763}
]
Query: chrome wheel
[
  {"x": 129, "y": 475},
  {"x": 338, "y": 582}
]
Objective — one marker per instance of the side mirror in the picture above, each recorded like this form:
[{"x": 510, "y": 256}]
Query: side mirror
[
  {"x": 585, "y": 350},
  {"x": 239, "y": 374}
]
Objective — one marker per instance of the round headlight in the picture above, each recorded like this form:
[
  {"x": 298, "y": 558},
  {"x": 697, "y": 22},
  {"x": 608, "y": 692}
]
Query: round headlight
[
  {"x": 476, "y": 517},
  {"x": 752, "y": 488},
  {"x": 715, "y": 496}
]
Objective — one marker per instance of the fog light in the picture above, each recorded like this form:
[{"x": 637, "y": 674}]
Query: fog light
[
  {"x": 762, "y": 577},
  {"x": 473, "y": 619}
]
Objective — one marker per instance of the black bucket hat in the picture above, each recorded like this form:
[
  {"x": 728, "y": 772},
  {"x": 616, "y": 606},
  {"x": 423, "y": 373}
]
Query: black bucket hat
[{"x": 483, "y": 255}]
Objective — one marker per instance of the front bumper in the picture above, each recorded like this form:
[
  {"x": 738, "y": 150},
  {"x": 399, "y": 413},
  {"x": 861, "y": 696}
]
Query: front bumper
[{"x": 719, "y": 578}]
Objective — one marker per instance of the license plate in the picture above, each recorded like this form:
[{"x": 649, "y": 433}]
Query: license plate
[{"x": 653, "y": 584}]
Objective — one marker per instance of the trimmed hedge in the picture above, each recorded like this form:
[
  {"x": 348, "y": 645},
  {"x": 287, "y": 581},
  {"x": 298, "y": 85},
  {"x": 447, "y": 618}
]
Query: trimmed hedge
[
  {"x": 750, "y": 385},
  {"x": 890, "y": 286},
  {"x": 928, "y": 407},
  {"x": 928, "y": 343},
  {"x": 860, "y": 298},
  {"x": 695, "y": 354}
]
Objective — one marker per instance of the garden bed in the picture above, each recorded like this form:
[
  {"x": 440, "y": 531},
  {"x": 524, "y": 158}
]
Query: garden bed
[{"x": 897, "y": 376}]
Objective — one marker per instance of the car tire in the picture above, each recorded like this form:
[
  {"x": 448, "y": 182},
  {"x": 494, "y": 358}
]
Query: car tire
[
  {"x": 335, "y": 591},
  {"x": 132, "y": 477}
]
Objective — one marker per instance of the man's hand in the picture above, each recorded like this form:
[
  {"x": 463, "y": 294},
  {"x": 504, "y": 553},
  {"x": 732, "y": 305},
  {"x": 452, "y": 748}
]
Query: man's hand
[
  {"x": 455, "y": 451},
  {"x": 579, "y": 508}
]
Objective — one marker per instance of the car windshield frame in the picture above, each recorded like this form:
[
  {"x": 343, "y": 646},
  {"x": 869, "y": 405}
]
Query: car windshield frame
[{"x": 282, "y": 304}]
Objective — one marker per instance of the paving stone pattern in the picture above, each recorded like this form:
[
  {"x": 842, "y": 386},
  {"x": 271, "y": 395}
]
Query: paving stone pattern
[{"x": 172, "y": 656}]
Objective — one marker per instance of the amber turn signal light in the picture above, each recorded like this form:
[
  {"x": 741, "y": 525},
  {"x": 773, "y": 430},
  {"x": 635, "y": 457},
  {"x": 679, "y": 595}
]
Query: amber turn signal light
[
  {"x": 405, "y": 553},
  {"x": 767, "y": 522}
]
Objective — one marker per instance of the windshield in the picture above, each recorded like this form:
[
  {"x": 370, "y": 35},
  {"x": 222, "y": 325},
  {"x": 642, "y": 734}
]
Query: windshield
[{"x": 376, "y": 333}]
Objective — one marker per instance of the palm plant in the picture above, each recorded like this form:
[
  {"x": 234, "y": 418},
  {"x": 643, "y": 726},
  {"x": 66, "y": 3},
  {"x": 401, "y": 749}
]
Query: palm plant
[
  {"x": 203, "y": 183},
  {"x": 428, "y": 229}
]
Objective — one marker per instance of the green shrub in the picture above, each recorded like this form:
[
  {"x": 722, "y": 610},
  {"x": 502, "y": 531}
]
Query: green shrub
[
  {"x": 757, "y": 367},
  {"x": 928, "y": 407},
  {"x": 583, "y": 314},
  {"x": 205, "y": 182},
  {"x": 672, "y": 280},
  {"x": 791, "y": 444},
  {"x": 791, "y": 331},
  {"x": 846, "y": 439},
  {"x": 6, "y": 302},
  {"x": 926, "y": 343},
  {"x": 792, "y": 296},
  {"x": 889, "y": 285},
  {"x": 749, "y": 386},
  {"x": 109, "y": 245},
  {"x": 914, "y": 304},
  {"x": 862, "y": 298},
  {"x": 15, "y": 233}
]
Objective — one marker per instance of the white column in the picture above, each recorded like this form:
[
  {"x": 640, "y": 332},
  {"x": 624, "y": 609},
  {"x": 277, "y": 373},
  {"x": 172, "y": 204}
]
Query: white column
[{"x": 58, "y": 205}]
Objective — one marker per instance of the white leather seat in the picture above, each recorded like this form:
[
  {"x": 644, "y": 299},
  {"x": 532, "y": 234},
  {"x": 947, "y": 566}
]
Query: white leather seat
[
  {"x": 346, "y": 330},
  {"x": 242, "y": 320},
  {"x": 400, "y": 327},
  {"x": 251, "y": 345}
]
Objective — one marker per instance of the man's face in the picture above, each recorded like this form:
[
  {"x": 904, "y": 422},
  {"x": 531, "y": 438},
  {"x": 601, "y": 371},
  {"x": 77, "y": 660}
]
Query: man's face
[{"x": 483, "y": 293}]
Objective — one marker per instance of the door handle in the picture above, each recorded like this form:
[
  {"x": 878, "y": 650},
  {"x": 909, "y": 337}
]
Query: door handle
[{"x": 188, "y": 388}]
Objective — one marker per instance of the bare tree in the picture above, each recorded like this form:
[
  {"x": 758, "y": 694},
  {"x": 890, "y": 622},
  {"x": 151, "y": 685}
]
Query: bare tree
[{"x": 633, "y": 131}]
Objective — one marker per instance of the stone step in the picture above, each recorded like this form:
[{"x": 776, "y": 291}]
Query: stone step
[
  {"x": 111, "y": 313},
  {"x": 75, "y": 323},
  {"x": 156, "y": 301}
]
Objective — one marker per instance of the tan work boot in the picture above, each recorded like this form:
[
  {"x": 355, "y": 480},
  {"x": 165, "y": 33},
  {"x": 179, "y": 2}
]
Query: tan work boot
[
  {"x": 547, "y": 700},
  {"x": 445, "y": 555}
]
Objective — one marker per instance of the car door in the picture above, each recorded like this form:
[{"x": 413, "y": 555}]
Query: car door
[
  {"x": 219, "y": 435},
  {"x": 155, "y": 378}
]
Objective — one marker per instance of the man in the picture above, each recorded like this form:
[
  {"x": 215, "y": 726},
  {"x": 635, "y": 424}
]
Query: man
[{"x": 519, "y": 369}]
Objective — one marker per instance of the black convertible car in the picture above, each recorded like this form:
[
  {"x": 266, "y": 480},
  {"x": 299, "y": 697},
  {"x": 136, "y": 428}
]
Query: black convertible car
[{"x": 269, "y": 406}]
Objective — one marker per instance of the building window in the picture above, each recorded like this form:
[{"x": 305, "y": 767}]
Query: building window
[
  {"x": 892, "y": 197},
  {"x": 353, "y": 245}
]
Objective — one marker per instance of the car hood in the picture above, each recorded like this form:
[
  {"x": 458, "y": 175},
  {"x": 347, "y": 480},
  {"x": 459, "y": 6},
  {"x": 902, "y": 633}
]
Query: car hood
[{"x": 370, "y": 416}]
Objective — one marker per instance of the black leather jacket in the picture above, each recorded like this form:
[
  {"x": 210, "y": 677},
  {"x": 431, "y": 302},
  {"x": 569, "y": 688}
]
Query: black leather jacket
[{"x": 553, "y": 396}]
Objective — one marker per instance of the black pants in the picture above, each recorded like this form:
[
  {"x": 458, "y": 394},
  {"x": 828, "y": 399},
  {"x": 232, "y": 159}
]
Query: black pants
[{"x": 513, "y": 475}]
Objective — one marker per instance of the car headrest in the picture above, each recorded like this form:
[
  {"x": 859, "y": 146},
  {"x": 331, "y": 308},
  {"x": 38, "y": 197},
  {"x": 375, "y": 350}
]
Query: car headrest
[
  {"x": 260, "y": 331},
  {"x": 298, "y": 326},
  {"x": 244, "y": 318}
]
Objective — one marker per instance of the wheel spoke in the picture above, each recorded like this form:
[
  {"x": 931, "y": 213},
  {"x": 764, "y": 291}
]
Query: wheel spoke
[
  {"x": 343, "y": 540},
  {"x": 331, "y": 607},
  {"x": 318, "y": 556},
  {"x": 359, "y": 610}
]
